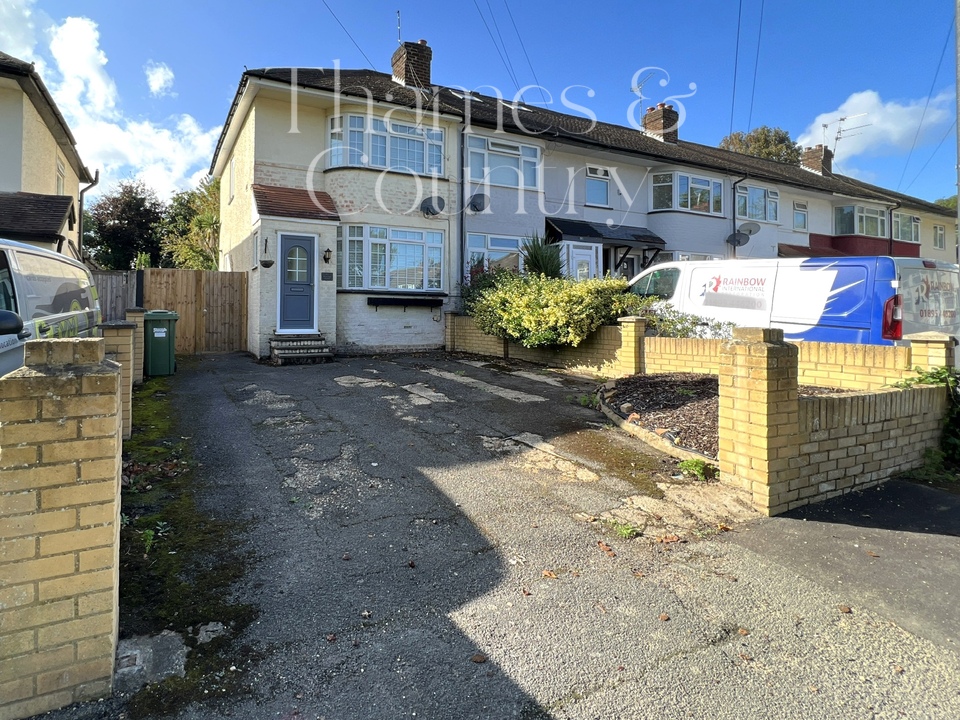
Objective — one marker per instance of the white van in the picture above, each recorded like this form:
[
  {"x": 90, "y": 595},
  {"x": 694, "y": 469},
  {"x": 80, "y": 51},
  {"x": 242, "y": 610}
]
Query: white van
[
  {"x": 868, "y": 300},
  {"x": 53, "y": 296}
]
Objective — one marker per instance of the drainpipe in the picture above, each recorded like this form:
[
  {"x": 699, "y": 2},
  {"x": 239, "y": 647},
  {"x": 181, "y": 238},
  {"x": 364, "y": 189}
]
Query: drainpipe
[
  {"x": 96, "y": 181},
  {"x": 733, "y": 209},
  {"x": 462, "y": 206},
  {"x": 890, "y": 227}
]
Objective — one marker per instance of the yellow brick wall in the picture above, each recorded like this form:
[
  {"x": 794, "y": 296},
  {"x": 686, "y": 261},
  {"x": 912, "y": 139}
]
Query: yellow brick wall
[
  {"x": 136, "y": 316},
  {"x": 59, "y": 526},
  {"x": 667, "y": 355},
  {"x": 118, "y": 346}
]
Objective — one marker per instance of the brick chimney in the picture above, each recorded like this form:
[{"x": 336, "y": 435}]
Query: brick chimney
[
  {"x": 662, "y": 122},
  {"x": 818, "y": 159},
  {"x": 411, "y": 64}
]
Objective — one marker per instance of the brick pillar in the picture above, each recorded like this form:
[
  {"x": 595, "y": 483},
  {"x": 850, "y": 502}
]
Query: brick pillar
[
  {"x": 59, "y": 526},
  {"x": 759, "y": 418},
  {"x": 118, "y": 340},
  {"x": 930, "y": 350},
  {"x": 135, "y": 315},
  {"x": 630, "y": 356},
  {"x": 450, "y": 332}
]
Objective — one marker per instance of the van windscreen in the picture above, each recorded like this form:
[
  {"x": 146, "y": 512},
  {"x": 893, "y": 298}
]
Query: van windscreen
[
  {"x": 7, "y": 300},
  {"x": 660, "y": 284},
  {"x": 52, "y": 287}
]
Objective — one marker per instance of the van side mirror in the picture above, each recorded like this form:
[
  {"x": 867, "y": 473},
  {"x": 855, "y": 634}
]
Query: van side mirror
[{"x": 10, "y": 323}]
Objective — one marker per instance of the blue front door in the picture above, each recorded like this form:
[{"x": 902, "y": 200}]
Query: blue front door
[{"x": 297, "y": 300}]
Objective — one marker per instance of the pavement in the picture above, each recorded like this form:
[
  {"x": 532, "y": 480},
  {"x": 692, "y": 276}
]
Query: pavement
[{"x": 430, "y": 542}]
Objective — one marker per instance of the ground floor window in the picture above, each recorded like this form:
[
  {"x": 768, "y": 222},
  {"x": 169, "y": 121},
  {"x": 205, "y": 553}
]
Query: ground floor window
[
  {"x": 486, "y": 252},
  {"x": 375, "y": 257}
]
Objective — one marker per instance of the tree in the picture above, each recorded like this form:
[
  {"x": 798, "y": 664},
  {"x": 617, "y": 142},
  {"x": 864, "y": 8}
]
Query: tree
[
  {"x": 191, "y": 228},
  {"x": 948, "y": 202},
  {"x": 126, "y": 224},
  {"x": 765, "y": 142}
]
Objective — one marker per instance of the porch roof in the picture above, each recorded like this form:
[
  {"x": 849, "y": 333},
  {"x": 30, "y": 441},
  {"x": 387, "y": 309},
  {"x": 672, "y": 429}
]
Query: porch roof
[
  {"x": 620, "y": 236},
  {"x": 34, "y": 216},
  {"x": 295, "y": 203},
  {"x": 785, "y": 250}
]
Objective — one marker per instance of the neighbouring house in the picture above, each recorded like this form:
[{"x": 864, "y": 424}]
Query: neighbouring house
[
  {"x": 40, "y": 169},
  {"x": 358, "y": 202}
]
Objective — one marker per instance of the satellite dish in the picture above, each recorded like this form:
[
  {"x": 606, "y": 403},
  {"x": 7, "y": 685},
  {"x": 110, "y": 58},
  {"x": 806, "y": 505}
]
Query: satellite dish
[
  {"x": 738, "y": 238},
  {"x": 432, "y": 205},
  {"x": 478, "y": 203},
  {"x": 748, "y": 229}
]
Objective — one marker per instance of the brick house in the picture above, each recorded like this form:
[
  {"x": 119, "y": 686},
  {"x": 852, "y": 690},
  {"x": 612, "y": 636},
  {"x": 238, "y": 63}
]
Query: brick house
[{"x": 358, "y": 201}]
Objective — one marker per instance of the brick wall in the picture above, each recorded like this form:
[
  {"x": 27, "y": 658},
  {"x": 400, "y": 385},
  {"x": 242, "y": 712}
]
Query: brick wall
[
  {"x": 118, "y": 338},
  {"x": 136, "y": 316},
  {"x": 59, "y": 530}
]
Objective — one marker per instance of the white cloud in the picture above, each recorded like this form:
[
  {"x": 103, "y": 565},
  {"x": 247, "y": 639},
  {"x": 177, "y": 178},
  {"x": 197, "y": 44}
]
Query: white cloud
[
  {"x": 168, "y": 153},
  {"x": 159, "y": 79},
  {"x": 891, "y": 126}
]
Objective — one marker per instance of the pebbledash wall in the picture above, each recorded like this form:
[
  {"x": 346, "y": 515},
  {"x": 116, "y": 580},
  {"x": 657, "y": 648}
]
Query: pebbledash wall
[
  {"x": 61, "y": 420},
  {"x": 786, "y": 450}
]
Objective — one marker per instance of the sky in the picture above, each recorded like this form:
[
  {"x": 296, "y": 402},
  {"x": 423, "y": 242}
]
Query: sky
[{"x": 146, "y": 86}]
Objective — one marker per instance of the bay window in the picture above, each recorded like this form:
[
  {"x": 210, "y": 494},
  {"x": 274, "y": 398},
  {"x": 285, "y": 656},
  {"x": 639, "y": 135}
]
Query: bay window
[
  {"x": 756, "y": 203},
  {"x": 680, "y": 191},
  {"x": 859, "y": 220},
  {"x": 377, "y": 143},
  {"x": 503, "y": 163},
  {"x": 380, "y": 258}
]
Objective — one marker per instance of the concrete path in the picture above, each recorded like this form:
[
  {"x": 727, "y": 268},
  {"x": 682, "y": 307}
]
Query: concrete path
[{"x": 422, "y": 554}]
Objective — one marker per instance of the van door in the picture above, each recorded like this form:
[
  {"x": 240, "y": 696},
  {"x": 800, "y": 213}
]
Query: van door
[
  {"x": 11, "y": 346},
  {"x": 737, "y": 292},
  {"x": 931, "y": 297}
]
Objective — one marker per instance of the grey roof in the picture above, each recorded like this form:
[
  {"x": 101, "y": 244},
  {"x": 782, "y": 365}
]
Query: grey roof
[
  {"x": 32, "y": 216},
  {"x": 31, "y": 84},
  {"x": 622, "y": 235},
  {"x": 484, "y": 111}
]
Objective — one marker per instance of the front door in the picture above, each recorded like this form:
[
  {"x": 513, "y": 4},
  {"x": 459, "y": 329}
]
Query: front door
[
  {"x": 297, "y": 297},
  {"x": 583, "y": 263}
]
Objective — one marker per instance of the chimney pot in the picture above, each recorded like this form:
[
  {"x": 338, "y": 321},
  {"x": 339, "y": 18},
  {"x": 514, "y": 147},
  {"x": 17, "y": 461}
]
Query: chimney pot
[
  {"x": 661, "y": 106},
  {"x": 651, "y": 108},
  {"x": 421, "y": 41}
]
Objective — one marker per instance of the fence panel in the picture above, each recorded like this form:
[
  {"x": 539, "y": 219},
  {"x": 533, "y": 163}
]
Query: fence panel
[
  {"x": 212, "y": 307},
  {"x": 118, "y": 291}
]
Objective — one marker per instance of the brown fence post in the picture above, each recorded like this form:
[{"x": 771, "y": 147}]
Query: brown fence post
[
  {"x": 59, "y": 526},
  {"x": 135, "y": 316},
  {"x": 630, "y": 356},
  {"x": 759, "y": 416},
  {"x": 931, "y": 350}
]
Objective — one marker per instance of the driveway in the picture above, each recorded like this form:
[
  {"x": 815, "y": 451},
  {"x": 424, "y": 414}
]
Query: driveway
[{"x": 430, "y": 543}]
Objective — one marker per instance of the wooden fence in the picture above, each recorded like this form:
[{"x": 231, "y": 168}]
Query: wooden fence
[
  {"x": 118, "y": 291},
  {"x": 212, "y": 307}
]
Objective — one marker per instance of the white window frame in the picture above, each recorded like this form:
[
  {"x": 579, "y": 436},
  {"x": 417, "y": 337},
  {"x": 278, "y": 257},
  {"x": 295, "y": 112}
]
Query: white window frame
[
  {"x": 939, "y": 237},
  {"x": 713, "y": 187},
  {"x": 598, "y": 177},
  {"x": 771, "y": 201},
  {"x": 233, "y": 176},
  {"x": 361, "y": 243},
  {"x": 351, "y": 139},
  {"x": 484, "y": 245},
  {"x": 61, "y": 178},
  {"x": 801, "y": 210},
  {"x": 906, "y": 228},
  {"x": 481, "y": 149}
]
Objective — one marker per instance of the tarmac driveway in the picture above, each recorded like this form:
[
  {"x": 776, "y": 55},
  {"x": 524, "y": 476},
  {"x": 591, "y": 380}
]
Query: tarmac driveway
[{"x": 422, "y": 553}]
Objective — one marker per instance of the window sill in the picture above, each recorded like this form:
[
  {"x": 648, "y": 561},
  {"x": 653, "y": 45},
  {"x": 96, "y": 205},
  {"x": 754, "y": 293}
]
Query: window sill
[
  {"x": 599, "y": 207},
  {"x": 719, "y": 216},
  {"x": 479, "y": 184},
  {"x": 379, "y": 170},
  {"x": 380, "y": 292}
]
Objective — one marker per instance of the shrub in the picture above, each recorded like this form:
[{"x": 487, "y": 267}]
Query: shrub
[{"x": 539, "y": 258}]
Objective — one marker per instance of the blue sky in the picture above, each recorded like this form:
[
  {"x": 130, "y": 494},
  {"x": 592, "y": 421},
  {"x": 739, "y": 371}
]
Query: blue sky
[{"x": 146, "y": 86}]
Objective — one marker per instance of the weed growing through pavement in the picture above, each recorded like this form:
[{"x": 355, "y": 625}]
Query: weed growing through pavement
[{"x": 700, "y": 469}]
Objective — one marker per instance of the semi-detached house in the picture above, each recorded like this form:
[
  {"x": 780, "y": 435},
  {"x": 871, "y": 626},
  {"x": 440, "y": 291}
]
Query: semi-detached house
[{"x": 358, "y": 201}]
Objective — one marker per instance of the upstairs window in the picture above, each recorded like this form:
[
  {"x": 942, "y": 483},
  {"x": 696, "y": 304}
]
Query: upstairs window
[
  {"x": 860, "y": 220},
  {"x": 61, "y": 177},
  {"x": 800, "y": 220},
  {"x": 755, "y": 203},
  {"x": 679, "y": 191},
  {"x": 504, "y": 163},
  {"x": 906, "y": 227},
  {"x": 598, "y": 186},
  {"x": 363, "y": 141}
]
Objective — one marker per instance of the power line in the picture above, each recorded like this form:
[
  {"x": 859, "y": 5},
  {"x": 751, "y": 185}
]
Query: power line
[
  {"x": 736, "y": 63},
  {"x": 497, "y": 47},
  {"x": 524, "y": 48},
  {"x": 506, "y": 53},
  {"x": 933, "y": 155},
  {"x": 369, "y": 62},
  {"x": 926, "y": 104},
  {"x": 756, "y": 65}
]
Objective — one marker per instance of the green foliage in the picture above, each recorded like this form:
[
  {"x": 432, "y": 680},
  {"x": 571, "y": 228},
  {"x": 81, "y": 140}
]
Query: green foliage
[
  {"x": 191, "y": 227},
  {"x": 666, "y": 321},
  {"x": 700, "y": 469},
  {"x": 538, "y": 311},
  {"x": 481, "y": 280},
  {"x": 948, "y": 202},
  {"x": 540, "y": 258},
  {"x": 624, "y": 529},
  {"x": 125, "y": 223},
  {"x": 764, "y": 142},
  {"x": 950, "y": 378},
  {"x": 142, "y": 261}
]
